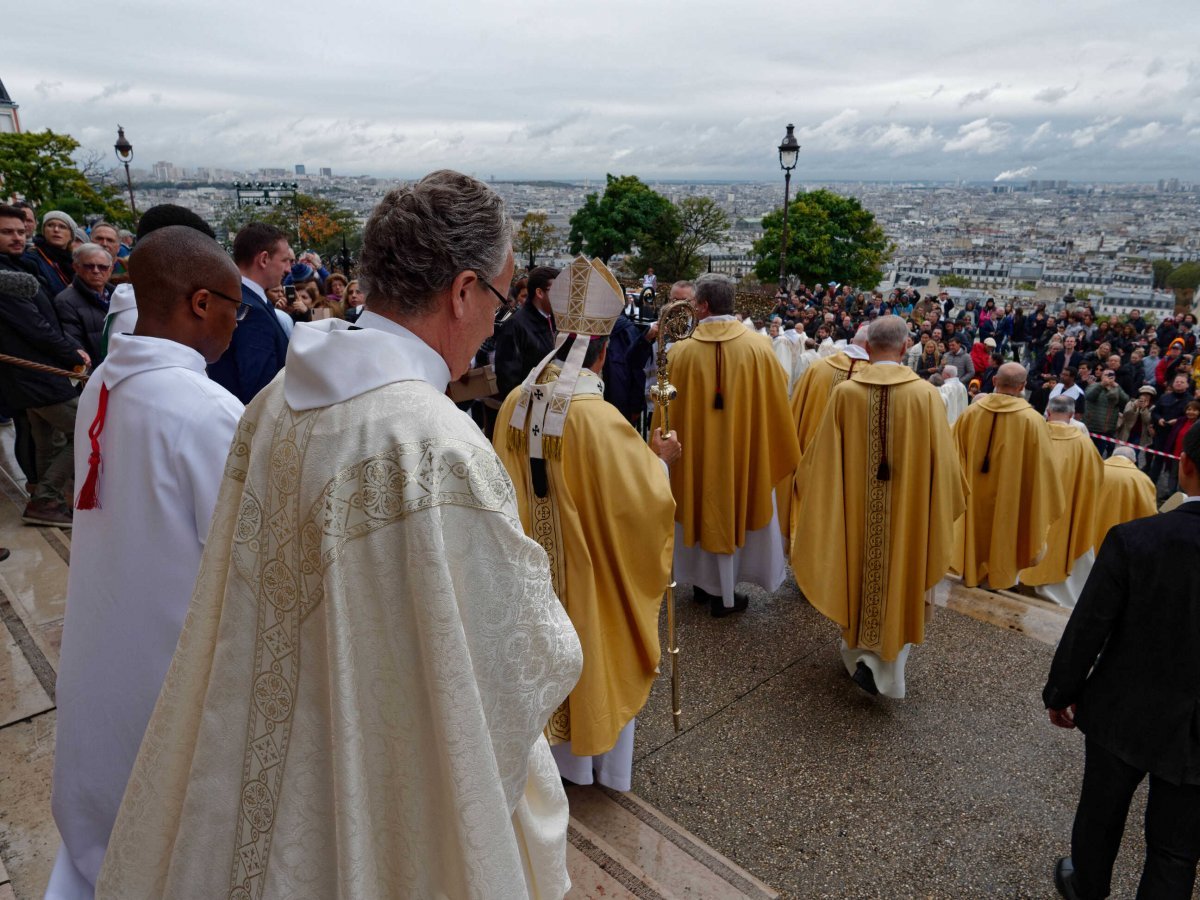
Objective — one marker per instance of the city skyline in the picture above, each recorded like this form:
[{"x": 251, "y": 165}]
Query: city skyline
[{"x": 925, "y": 92}]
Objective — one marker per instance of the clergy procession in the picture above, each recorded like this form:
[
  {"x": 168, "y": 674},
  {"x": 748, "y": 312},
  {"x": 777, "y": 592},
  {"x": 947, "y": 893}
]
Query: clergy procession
[{"x": 334, "y": 628}]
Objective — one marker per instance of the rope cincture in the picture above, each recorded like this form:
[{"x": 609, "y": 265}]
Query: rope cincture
[
  {"x": 884, "y": 472},
  {"x": 89, "y": 496},
  {"x": 987, "y": 453}
]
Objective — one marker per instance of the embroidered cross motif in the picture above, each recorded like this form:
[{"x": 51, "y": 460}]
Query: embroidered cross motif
[
  {"x": 538, "y": 393},
  {"x": 536, "y": 430}
]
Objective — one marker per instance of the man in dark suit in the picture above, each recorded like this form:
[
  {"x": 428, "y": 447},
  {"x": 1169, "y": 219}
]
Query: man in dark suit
[
  {"x": 529, "y": 335},
  {"x": 1127, "y": 673},
  {"x": 259, "y": 347}
]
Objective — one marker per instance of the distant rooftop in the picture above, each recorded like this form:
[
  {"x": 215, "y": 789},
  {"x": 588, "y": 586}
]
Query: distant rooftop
[{"x": 4, "y": 98}]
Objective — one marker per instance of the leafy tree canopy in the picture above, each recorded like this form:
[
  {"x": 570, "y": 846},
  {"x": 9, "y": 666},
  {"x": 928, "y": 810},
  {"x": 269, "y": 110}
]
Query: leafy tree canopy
[
  {"x": 535, "y": 236},
  {"x": 830, "y": 238},
  {"x": 672, "y": 243},
  {"x": 615, "y": 221},
  {"x": 310, "y": 223},
  {"x": 38, "y": 166},
  {"x": 951, "y": 280}
]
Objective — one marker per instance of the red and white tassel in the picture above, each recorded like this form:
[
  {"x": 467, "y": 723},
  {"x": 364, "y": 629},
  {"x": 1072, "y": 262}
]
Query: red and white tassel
[{"x": 89, "y": 497}]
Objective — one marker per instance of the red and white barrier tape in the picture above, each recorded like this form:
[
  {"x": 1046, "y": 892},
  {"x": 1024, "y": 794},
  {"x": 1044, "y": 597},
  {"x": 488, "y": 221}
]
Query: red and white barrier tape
[{"x": 1113, "y": 440}]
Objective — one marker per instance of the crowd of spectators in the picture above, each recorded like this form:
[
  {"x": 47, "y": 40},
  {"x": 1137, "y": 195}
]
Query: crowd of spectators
[
  {"x": 1132, "y": 380},
  {"x": 57, "y": 283}
]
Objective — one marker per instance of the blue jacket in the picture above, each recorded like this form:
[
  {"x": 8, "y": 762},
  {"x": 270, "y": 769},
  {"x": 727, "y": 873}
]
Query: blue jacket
[{"x": 256, "y": 353}]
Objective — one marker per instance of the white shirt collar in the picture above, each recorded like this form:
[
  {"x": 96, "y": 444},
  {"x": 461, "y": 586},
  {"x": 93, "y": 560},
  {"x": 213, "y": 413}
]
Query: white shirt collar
[
  {"x": 257, "y": 288},
  {"x": 433, "y": 368},
  {"x": 855, "y": 352},
  {"x": 886, "y": 362}
]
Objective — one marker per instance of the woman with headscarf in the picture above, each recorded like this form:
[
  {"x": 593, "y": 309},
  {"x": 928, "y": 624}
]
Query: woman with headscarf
[{"x": 51, "y": 252}]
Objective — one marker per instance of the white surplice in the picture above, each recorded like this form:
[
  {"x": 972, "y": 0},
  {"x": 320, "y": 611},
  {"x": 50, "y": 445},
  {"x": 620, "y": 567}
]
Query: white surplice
[
  {"x": 954, "y": 395},
  {"x": 760, "y": 560},
  {"x": 134, "y": 561},
  {"x": 372, "y": 651}
]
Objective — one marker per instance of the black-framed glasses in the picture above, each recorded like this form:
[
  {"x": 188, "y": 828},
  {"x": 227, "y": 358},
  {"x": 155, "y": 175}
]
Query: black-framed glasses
[
  {"x": 243, "y": 306},
  {"x": 499, "y": 296}
]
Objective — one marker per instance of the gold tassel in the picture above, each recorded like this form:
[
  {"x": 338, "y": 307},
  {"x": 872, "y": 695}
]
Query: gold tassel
[
  {"x": 516, "y": 439},
  {"x": 551, "y": 447}
]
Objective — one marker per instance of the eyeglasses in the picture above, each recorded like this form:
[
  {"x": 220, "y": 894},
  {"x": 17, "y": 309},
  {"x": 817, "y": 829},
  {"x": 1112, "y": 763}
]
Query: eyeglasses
[
  {"x": 243, "y": 306},
  {"x": 93, "y": 267},
  {"x": 487, "y": 284}
]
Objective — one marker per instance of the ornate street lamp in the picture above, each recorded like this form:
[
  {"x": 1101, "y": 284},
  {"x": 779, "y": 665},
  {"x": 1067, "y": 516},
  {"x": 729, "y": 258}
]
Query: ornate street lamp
[
  {"x": 125, "y": 155},
  {"x": 789, "y": 152}
]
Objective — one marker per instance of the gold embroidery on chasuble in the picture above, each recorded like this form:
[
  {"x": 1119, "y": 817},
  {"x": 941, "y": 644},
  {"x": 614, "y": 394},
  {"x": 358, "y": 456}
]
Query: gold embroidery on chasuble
[
  {"x": 878, "y": 521},
  {"x": 286, "y": 555},
  {"x": 839, "y": 375},
  {"x": 547, "y": 531}
]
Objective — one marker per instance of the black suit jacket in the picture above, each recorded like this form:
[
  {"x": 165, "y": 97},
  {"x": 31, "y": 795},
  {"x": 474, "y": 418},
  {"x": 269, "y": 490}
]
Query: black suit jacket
[
  {"x": 1130, "y": 655},
  {"x": 256, "y": 354},
  {"x": 523, "y": 342}
]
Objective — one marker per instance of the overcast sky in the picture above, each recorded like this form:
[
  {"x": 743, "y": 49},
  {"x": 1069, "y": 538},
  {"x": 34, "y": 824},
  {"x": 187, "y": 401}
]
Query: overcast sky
[{"x": 921, "y": 89}]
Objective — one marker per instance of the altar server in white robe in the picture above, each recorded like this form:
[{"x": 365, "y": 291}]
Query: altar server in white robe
[
  {"x": 954, "y": 395},
  {"x": 152, "y": 434},
  {"x": 373, "y": 647}
]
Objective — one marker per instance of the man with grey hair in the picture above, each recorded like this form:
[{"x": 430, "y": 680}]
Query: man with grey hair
[
  {"x": 733, "y": 420},
  {"x": 83, "y": 306},
  {"x": 357, "y": 703},
  {"x": 954, "y": 395},
  {"x": 1063, "y": 569},
  {"x": 881, "y": 478}
]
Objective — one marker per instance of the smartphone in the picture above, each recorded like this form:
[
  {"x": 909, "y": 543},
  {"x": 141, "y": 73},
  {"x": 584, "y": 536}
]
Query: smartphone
[{"x": 289, "y": 291}]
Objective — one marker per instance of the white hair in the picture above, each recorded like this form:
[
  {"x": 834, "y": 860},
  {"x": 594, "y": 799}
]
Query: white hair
[
  {"x": 90, "y": 250},
  {"x": 949, "y": 371},
  {"x": 1126, "y": 453}
]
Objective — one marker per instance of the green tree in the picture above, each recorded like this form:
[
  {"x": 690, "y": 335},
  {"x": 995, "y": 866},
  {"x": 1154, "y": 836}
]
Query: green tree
[
  {"x": 615, "y": 221},
  {"x": 39, "y": 167},
  {"x": 954, "y": 281},
  {"x": 1162, "y": 271},
  {"x": 672, "y": 243},
  {"x": 310, "y": 223},
  {"x": 1185, "y": 278},
  {"x": 535, "y": 235},
  {"x": 830, "y": 238}
]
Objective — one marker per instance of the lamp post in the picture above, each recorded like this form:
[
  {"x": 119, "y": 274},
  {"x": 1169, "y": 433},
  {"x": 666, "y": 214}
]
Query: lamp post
[
  {"x": 125, "y": 155},
  {"x": 789, "y": 152}
]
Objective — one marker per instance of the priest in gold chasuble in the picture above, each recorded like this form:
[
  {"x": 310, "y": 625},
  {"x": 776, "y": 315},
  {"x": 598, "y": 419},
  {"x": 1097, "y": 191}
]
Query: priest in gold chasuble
[
  {"x": 882, "y": 479},
  {"x": 598, "y": 500},
  {"x": 809, "y": 401},
  {"x": 1064, "y": 568},
  {"x": 738, "y": 443},
  {"x": 1015, "y": 494},
  {"x": 1127, "y": 494}
]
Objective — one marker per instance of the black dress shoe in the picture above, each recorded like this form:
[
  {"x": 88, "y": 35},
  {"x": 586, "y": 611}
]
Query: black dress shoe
[
  {"x": 699, "y": 595},
  {"x": 1064, "y": 878},
  {"x": 718, "y": 610},
  {"x": 865, "y": 678}
]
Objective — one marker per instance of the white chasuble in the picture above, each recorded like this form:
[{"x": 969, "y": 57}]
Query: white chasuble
[{"x": 372, "y": 651}]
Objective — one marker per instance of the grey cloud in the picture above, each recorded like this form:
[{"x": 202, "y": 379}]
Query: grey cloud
[
  {"x": 979, "y": 95},
  {"x": 548, "y": 128},
  {"x": 45, "y": 88},
  {"x": 1054, "y": 94},
  {"x": 1156, "y": 66},
  {"x": 112, "y": 90},
  {"x": 937, "y": 90}
]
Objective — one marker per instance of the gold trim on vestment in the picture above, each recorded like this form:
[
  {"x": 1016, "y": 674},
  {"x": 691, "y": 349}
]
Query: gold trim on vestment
[
  {"x": 878, "y": 519},
  {"x": 286, "y": 555},
  {"x": 547, "y": 531}
]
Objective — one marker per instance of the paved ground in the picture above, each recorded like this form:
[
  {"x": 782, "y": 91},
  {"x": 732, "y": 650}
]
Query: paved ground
[{"x": 964, "y": 789}]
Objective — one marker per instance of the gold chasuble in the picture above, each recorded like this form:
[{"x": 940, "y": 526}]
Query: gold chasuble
[
  {"x": 1014, "y": 491},
  {"x": 1127, "y": 494},
  {"x": 738, "y": 441},
  {"x": 809, "y": 401},
  {"x": 606, "y": 523},
  {"x": 1081, "y": 473},
  {"x": 882, "y": 479}
]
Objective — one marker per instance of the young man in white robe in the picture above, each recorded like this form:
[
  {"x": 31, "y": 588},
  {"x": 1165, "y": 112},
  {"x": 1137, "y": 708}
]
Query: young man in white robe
[
  {"x": 373, "y": 648},
  {"x": 151, "y": 434}
]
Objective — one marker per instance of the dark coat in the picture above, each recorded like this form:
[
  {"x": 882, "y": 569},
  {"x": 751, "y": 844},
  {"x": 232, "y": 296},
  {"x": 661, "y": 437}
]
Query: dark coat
[
  {"x": 1138, "y": 625},
  {"x": 625, "y": 367},
  {"x": 520, "y": 346},
  {"x": 53, "y": 266},
  {"x": 29, "y": 329},
  {"x": 82, "y": 314},
  {"x": 257, "y": 352}
]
